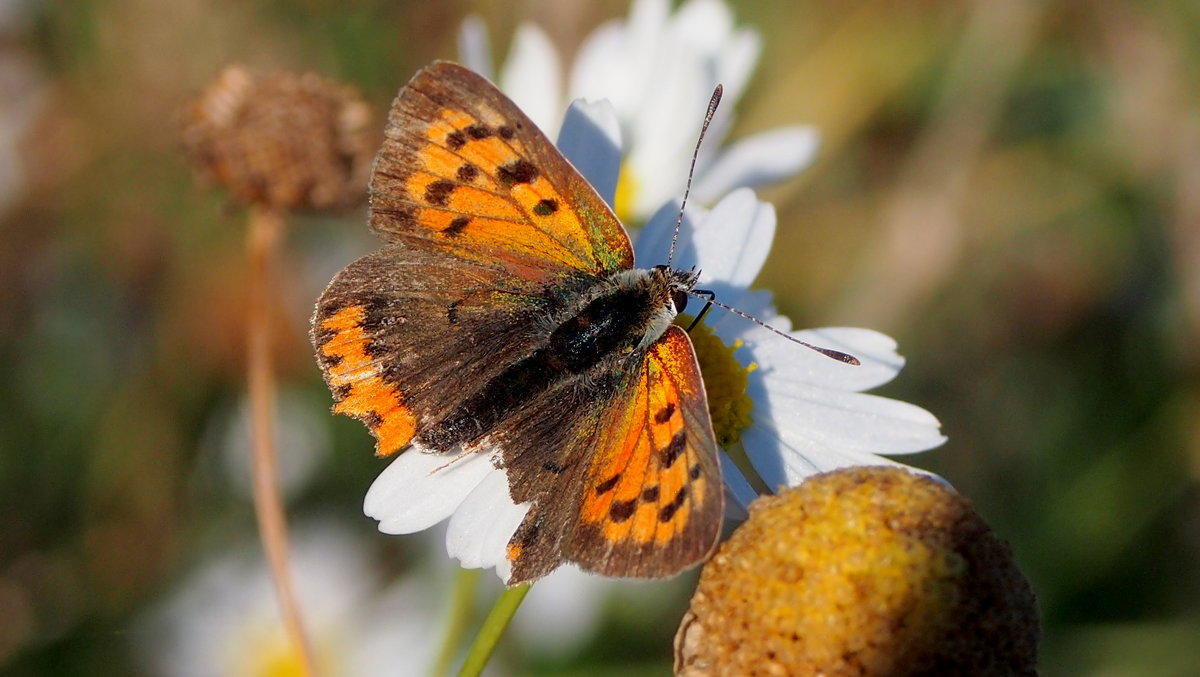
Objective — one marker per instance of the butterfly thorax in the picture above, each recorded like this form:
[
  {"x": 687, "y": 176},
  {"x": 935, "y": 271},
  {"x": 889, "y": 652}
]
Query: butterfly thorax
[
  {"x": 623, "y": 313},
  {"x": 612, "y": 321}
]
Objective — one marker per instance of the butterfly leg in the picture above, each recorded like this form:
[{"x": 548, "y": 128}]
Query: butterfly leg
[{"x": 703, "y": 311}]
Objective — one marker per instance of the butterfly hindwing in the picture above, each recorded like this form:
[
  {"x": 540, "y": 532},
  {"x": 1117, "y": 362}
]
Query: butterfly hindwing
[
  {"x": 652, "y": 497},
  {"x": 461, "y": 166},
  {"x": 404, "y": 334}
]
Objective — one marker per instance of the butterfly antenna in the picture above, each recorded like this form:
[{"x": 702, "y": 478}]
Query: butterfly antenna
[
  {"x": 712, "y": 109},
  {"x": 827, "y": 352}
]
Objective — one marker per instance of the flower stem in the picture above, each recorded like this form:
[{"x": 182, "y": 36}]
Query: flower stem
[
  {"x": 262, "y": 246},
  {"x": 461, "y": 603},
  {"x": 495, "y": 625}
]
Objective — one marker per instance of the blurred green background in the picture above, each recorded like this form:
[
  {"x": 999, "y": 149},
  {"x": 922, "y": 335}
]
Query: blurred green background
[{"x": 1010, "y": 189}]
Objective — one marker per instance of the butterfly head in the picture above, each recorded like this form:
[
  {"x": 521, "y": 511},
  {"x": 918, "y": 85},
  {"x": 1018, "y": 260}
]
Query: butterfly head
[{"x": 678, "y": 283}]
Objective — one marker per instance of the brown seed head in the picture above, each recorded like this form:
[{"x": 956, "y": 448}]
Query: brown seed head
[
  {"x": 285, "y": 141},
  {"x": 864, "y": 571}
]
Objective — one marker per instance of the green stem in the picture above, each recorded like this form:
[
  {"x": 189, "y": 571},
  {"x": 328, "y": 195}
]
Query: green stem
[
  {"x": 461, "y": 602},
  {"x": 489, "y": 635}
]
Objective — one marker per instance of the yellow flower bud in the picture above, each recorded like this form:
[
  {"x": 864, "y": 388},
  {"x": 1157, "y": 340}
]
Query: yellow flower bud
[{"x": 861, "y": 571}]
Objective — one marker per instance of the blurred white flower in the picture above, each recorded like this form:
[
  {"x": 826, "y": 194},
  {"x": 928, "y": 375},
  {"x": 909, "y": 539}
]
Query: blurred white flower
[
  {"x": 224, "y": 619},
  {"x": 301, "y": 441},
  {"x": 658, "y": 69}
]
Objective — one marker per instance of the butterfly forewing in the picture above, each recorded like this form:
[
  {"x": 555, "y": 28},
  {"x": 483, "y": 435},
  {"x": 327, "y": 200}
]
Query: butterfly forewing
[{"x": 461, "y": 164}]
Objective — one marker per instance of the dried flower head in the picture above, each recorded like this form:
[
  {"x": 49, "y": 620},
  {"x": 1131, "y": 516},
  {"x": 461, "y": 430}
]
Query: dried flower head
[
  {"x": 285, "y": 141},
  {"x": 861, "y": 571}
]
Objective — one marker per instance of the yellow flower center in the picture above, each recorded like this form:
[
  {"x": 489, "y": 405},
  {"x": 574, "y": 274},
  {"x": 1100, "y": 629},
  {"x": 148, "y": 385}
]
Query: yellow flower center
[
  {"x": 725, "y": 381},
  {"x": 266, "y": 651},
  {"x": 274, "y": 657},
  {"x": 627, "y": 187}
]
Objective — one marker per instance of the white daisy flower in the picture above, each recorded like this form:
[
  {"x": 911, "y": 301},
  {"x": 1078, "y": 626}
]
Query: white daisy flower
[
  {"x": 658, "y": 68},
  {"x": 792, "y": 411},
  {"x": 224, "y": 619}
]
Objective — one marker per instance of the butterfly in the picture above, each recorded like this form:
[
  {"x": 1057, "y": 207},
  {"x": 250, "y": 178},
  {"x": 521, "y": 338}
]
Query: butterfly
[{"x": 505, "y": 315}]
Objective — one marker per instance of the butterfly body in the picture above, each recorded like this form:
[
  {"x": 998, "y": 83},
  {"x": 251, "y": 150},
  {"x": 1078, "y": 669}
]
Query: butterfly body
[
  {"x": 505, "y": 316},
  {"x": 618, "y": 318}
]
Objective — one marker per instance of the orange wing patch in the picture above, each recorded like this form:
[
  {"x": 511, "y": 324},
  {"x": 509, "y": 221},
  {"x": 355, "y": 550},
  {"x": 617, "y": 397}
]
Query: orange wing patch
[
  {"x": 354, "y": 377},
  {"x": 660, "y": 468}
]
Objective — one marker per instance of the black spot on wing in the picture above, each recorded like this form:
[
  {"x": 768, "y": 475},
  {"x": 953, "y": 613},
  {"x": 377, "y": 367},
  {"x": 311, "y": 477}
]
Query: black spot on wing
[
  {"x": 545, "y": 207},
  {"x": 506, "y": 132},
  {"x": 518, "y": 171},
  {"x": 456, "y": 139},
  {"x": 479, "y": 131},
  {"x": 663, "y": 415},
  {"x": 452, "y": 312},
  {"x": 650, "y": 494},
  {"x": 674, "y": 449},
  {"x": 607, "y": 485},
  {"x": 622, "y": 510},
  {"x": 438, "y": 192},
  {"x": 456, "y": 226},
  {"x": 668, "y": 511},
  {"x": 467, "y": 173}
]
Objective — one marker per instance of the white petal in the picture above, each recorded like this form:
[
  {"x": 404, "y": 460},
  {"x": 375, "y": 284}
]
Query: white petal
[
  {"x": 733, "y": 241},
  {"x": 646, "y": 20},
  {"x": 738, "y": 492},
  {"x": 483, "y": 524},
  {"x": 591, "y": 140},
  {"x": 842, "y": 420},
  {"x": 736, "y": 61},
  {"x": 418, "y": 490},
  {"x": 757, "y": 160},
  {"x": 782, "y": 360},
  {"x": 474, "y": 48},
  {"x": 705, "y": 22},
  {"x": 789, "y": 462},
  {"x": 663, "y": 133},
  {"x": 654, "y": 239},
  {"x": 532, "y": 77},
  {"x": 593, "y": 74}
]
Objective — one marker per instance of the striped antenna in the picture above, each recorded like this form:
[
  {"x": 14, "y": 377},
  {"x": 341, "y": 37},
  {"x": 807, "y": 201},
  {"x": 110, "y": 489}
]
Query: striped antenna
[
  {"x": 827, "y": 352},
  {"x": 712, "y": 109},
  {"x": 710, "y": 298}
]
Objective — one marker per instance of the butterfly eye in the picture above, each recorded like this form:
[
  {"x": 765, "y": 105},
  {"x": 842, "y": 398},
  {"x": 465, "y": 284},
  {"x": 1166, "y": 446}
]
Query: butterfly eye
[{"x": 679, "y": 298}]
